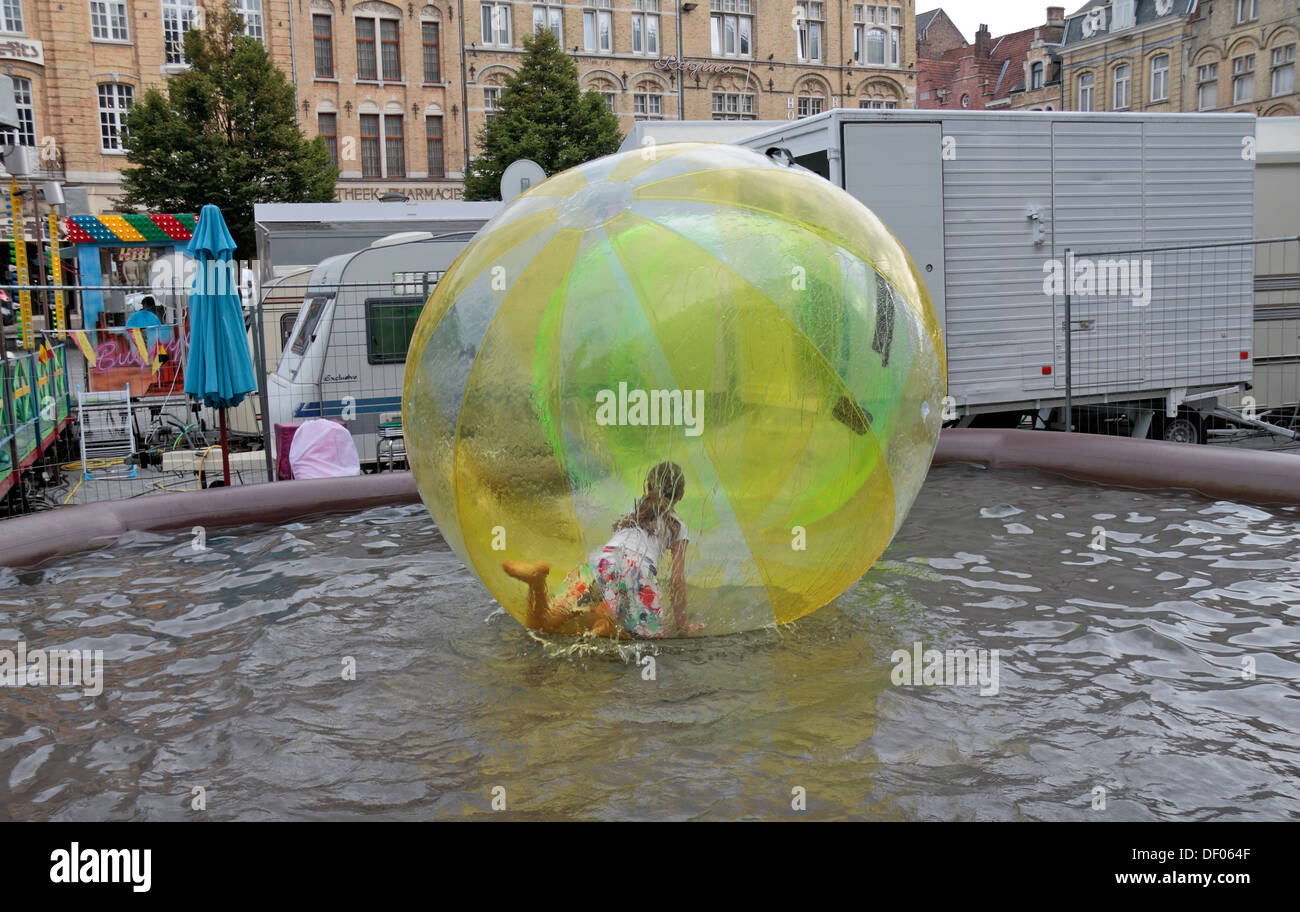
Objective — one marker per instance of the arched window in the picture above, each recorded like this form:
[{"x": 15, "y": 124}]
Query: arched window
[
  {"x": 1282, "y": 75},
  {"x": 431, "y": 42},
  {"x": 1085, "y": 92},
  {"x": 1160, "y": 77},
  {"x": 379, "y": 48},
  {"x": 876, "y": 47},
  {"x": 1207, "y": 85},
  {"x": 1120, "y": 89},
  {"x": 322, "y": 30},
  {"x": 1036, "y": 75}
]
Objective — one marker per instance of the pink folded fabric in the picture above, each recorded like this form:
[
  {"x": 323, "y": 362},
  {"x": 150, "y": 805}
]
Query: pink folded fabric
[{"x": 323, "y": 449}]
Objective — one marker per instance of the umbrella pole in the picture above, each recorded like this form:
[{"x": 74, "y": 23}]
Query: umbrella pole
[{"x": 225, "y": 451}]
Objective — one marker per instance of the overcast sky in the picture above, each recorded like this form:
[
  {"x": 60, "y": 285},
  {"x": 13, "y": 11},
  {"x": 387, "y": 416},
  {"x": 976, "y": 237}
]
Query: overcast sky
[{"x": 1002, "y": 16}]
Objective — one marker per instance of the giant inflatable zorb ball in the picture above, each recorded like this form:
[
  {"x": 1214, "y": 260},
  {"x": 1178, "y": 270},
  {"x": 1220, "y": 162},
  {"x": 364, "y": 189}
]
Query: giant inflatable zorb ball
[{"x": 696, "y": 303}]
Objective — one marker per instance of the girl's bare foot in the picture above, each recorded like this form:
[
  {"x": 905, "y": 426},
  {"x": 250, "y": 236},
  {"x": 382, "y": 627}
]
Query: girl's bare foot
[{"x": 523, "y": 570}]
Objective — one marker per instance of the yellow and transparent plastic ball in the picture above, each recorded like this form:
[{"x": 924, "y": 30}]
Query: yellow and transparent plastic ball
[{"x": 691, "y": 302}]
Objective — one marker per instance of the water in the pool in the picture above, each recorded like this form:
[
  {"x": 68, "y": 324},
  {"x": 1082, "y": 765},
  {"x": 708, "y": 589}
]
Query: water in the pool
[{"x": 1152, "y": 680}]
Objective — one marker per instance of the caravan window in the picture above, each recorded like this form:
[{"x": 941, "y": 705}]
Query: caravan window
[
  {"x": 286, "y": 328},
  {"x": 389, "y": 325},
  {"x": 315, "y": 306}
]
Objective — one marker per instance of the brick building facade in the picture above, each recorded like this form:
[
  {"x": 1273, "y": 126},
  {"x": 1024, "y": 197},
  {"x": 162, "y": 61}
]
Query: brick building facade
[
  {"x": 1015, "y": 71},
  {"x": 770, "y": 60},
  {"x": 1242, "y": 57},
  {"x": 400, "y": 89}
]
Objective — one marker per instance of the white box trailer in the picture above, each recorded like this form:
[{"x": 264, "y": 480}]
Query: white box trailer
[
  {"x": 985, "y": 201},
  {"x": 346, "y": 354}
]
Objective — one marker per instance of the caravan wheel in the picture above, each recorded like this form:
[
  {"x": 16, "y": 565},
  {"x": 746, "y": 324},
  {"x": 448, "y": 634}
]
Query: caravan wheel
[{"x": 1183, "y": 430}]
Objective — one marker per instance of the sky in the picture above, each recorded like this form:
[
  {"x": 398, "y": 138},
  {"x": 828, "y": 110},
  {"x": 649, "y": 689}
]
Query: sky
[{"x": 1002, "y": 16}]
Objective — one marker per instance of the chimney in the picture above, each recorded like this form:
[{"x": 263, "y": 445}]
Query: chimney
[
  {"x": 1056, "y": 15},
  {"x": 982, "y": 41}
]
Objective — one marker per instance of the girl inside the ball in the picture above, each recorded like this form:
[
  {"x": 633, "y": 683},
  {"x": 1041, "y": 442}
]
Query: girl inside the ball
[{"x": 618, "y": 591}]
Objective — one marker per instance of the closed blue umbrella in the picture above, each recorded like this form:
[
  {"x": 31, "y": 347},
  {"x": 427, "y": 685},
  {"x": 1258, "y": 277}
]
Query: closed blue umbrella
[{"x": 219, "y": 368}]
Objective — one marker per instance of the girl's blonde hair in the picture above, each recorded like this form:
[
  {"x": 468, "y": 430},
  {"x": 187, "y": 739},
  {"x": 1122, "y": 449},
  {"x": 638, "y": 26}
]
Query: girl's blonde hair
[{"x": 664, "y": 486}]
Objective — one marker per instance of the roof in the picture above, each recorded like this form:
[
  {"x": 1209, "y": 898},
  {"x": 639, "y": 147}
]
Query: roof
[
  {"x": 923, "y": 21},
  {"x": 430, "y": 211},
  {"x": 670, "y": 131},
  {"x": 1100, "y": 13},
  {"x": 132, "y": 228}
]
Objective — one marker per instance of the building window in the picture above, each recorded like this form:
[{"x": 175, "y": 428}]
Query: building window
[
  {"x": 390, "y": 50},
  {"x": 598, "y": 26},
  {"x": 327, "y": 125},
  {"x": 492, "y": 101},
  {"x": 366, "y": 63},
  {"x": 1121, "y": 15},
  {"x": 877, "y": 104},
  {"x": 11, "y": 16},
  {"x": 1247, "y": 10},
  {"x": 1283, "y": 82},
  {"x": 877, "y": 46},
  {"x": 731, "y": 28},
  {"x": 733, "y": 106},
  {"x": 496, "y": 24},
  {"x": 647, "y": 105},
  {"x": 108, "y": 20},
  {"x": 388, "y": 66},
  {"x": 322, "y": 28},
  {"x": 1085, "y": 92},
  {"x": 1036, "y": 76},
  {"x": 1160, "y": 77},
  {"x": 551, "y": 17},
  {"x": 178, "y": 18},
  {"x": 394, "y": 146},
  {"x": 810, "y": 20},
  {"x": 25, "y": 134},
  {"x": 1207, "y": 87},
  {"x": 370, "y": 157},
  {"x": 609, "y": 99},
  {"x": 115, "y": 100},
  {"x": 645, "y": 27},
  {"x": 1120, "y": 92},
  {"x": 251, "y": 11},
  {"x": 1243, "y": 79},
  {"x": 433, "y": 145},
  {"x": 965, "y": 101},
  {"x": 432, "y": 65}
]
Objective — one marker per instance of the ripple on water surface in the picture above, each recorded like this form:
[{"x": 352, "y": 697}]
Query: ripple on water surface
[{"x": 1148, "y": 645}]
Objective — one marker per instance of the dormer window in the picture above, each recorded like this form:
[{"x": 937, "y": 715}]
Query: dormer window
[{"x": 1121, "y": 15}]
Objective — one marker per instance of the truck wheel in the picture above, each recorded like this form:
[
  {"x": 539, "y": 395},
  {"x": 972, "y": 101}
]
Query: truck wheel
[{"x": 1183, "y": 430}]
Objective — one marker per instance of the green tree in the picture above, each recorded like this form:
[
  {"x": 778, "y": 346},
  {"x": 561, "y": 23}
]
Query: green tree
[
  {"x": 223, "y": 133},
  {"x": 545, "y": 117}
]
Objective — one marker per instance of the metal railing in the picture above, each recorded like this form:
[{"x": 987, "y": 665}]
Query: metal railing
[{"x": 1223, "y": 318}]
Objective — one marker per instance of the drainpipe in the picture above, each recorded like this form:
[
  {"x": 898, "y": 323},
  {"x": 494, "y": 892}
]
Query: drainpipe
[
  {"x": 293, "y": 62},
  {"x": 464, "y": 91},
  {"x": 681, "y": 82}
]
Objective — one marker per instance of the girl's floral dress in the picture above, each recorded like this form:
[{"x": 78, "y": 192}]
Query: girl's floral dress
[{"x": 623, "y": 584}]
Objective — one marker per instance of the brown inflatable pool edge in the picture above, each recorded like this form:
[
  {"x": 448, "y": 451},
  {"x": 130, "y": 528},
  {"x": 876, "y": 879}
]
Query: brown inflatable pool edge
[
  {"x": 30, "y": 540},
  {"x": 1249, "y": 476}
]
